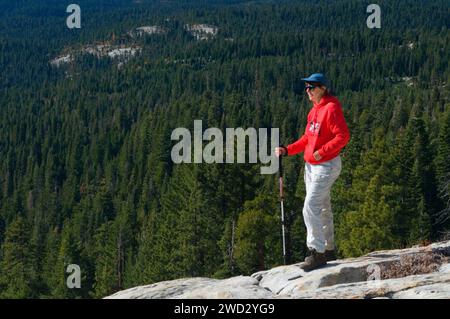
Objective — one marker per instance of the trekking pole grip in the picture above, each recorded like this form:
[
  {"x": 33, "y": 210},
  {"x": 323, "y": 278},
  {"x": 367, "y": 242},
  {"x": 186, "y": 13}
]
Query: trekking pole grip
[{"x": 280, "y": 169}]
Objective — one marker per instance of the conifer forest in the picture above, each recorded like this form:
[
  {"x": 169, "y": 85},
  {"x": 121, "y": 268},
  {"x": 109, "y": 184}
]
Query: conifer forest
[{"x": 87, "y": 114}]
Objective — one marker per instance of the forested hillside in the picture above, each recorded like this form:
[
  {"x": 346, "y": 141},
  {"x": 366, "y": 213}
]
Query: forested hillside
[{"x": 85, "y": 169}]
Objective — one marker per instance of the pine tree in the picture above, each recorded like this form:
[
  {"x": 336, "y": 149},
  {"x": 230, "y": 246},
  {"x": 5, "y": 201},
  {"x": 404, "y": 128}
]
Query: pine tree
[
  {"x": 190, "y": 222},
  {"x": 17, "y": 275},
  {"x": 369, "y": 228},
  {"x": 443, "y": 172},
  {"x": 68, "y": 253},
  {"x": 422, "y": 186},
  {"x": 258, "y": 240},
  {"x": 106, "y": 275},
  {"x": 372, "y": 208},
  {"x": 50, "y": 257}
]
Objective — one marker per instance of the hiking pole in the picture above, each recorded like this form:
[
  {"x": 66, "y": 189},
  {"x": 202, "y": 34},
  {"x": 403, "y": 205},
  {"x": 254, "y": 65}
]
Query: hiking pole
[{"x": 282, "y": 206}]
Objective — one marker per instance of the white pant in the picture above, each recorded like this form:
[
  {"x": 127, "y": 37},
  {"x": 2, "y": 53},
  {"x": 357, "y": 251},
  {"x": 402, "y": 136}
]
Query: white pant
[{"x": 317, "y": 208}]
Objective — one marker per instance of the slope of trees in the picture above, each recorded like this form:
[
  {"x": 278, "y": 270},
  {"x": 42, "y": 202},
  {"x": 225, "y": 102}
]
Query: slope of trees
[{"x": 85, "y": 170}]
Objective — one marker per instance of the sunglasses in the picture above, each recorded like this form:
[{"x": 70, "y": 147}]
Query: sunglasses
[{"x": 310, "y": 87}]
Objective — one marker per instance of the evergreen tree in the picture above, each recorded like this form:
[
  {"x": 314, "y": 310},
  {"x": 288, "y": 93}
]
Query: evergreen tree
[
  {"x": 257, "y": 229},
  {"x": 17, "y": 274},
  {"x": 86, "y": 174},
  {"x": 68, "y": 253},
  {"x": 106, "y": 267},
  {"x": 369, "y": 228},
  {"x": 443, "y": 172}
]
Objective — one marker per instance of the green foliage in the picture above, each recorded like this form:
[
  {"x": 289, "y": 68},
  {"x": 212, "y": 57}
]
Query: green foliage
[
  {"x": 443, "y": 172},
  {"x": 257, "y": 236},
  {"x": 368, "y": 228},
  {"x": 86, "y": 174},
  {"x": 16, "y": 268}
]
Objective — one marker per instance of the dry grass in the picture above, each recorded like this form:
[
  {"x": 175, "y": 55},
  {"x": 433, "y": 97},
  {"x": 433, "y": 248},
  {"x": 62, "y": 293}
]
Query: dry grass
[{"x": 413, "y": 264}]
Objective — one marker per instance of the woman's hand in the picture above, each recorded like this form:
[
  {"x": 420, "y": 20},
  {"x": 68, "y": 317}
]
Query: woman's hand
[
  {"x": 279, "y": 151},
  {"x": 317, "y": 156}
]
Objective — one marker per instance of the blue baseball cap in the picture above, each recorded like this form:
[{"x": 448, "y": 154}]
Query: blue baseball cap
[{"x": 317, "y": 77}]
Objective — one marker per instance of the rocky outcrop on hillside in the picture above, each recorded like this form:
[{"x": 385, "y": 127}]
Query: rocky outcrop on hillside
[{"x": 418, "y": 272}]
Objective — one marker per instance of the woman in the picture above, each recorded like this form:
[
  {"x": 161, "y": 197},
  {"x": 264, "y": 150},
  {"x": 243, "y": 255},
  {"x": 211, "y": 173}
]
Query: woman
[{"x": 325, "y": 135}]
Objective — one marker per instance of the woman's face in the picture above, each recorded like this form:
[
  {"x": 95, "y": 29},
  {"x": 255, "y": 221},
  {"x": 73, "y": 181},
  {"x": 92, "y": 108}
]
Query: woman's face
[{"x": 315, "y": 92}]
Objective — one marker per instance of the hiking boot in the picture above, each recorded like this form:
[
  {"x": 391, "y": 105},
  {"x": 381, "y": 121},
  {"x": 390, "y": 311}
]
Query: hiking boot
[
  {"x": 314, "y": 261},
  {"x": 330, "y": 255}
]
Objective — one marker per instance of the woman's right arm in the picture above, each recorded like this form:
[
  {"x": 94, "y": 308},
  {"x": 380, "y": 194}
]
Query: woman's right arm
[{"x": 298, "y": 146}]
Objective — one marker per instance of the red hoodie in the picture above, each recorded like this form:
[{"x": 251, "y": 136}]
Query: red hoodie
[{"x": 326, "y": 131}]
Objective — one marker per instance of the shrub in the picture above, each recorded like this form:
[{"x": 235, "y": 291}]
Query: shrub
[{"x": 413, "y": 264}]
